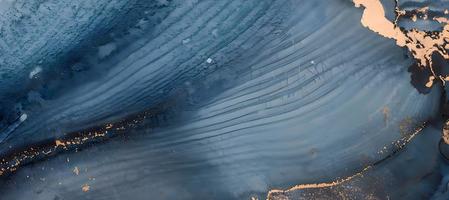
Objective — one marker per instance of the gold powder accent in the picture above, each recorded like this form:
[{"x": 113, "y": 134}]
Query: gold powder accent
[
  {"x": 421, "y": 44},
  {"x": 109, "y": 126},
  {"x": 430, "y": 82},
  {"x": 400, "y": 144},
  {"x": 441, "y": 20},
  {"x": 271, "y": 193},
  {"x": 85, "y": 188},
  {"x": 423, "y": 10},
  {"x": 374, "y": 19},
  {"x": 11, "y": 162},
  {"x": 59, "y": 143}
]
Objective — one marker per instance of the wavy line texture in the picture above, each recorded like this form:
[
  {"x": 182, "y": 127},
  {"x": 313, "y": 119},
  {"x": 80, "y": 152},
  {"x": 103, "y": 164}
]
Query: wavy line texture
[{"x": 257, "y": 94}]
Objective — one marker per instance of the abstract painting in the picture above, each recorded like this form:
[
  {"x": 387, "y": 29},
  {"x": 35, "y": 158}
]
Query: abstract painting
[{"x": 224, "y": 99}]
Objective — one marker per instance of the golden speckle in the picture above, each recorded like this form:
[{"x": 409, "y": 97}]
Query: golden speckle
[
  {"x": 430, "y": 82},
  {"x": 423, "y": 10},
  {"x": 109, "y": 126},
  {"x": 59, "y": 143},
  {"x": 85, "y": 188}
]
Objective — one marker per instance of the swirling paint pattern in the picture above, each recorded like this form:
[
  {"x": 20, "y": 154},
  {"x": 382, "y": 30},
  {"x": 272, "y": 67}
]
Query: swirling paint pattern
[{"x": 213, "y": 100}]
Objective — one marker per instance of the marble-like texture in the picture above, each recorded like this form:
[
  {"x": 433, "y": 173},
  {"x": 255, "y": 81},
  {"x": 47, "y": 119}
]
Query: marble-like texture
[{"x": 251, "y": 95}]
